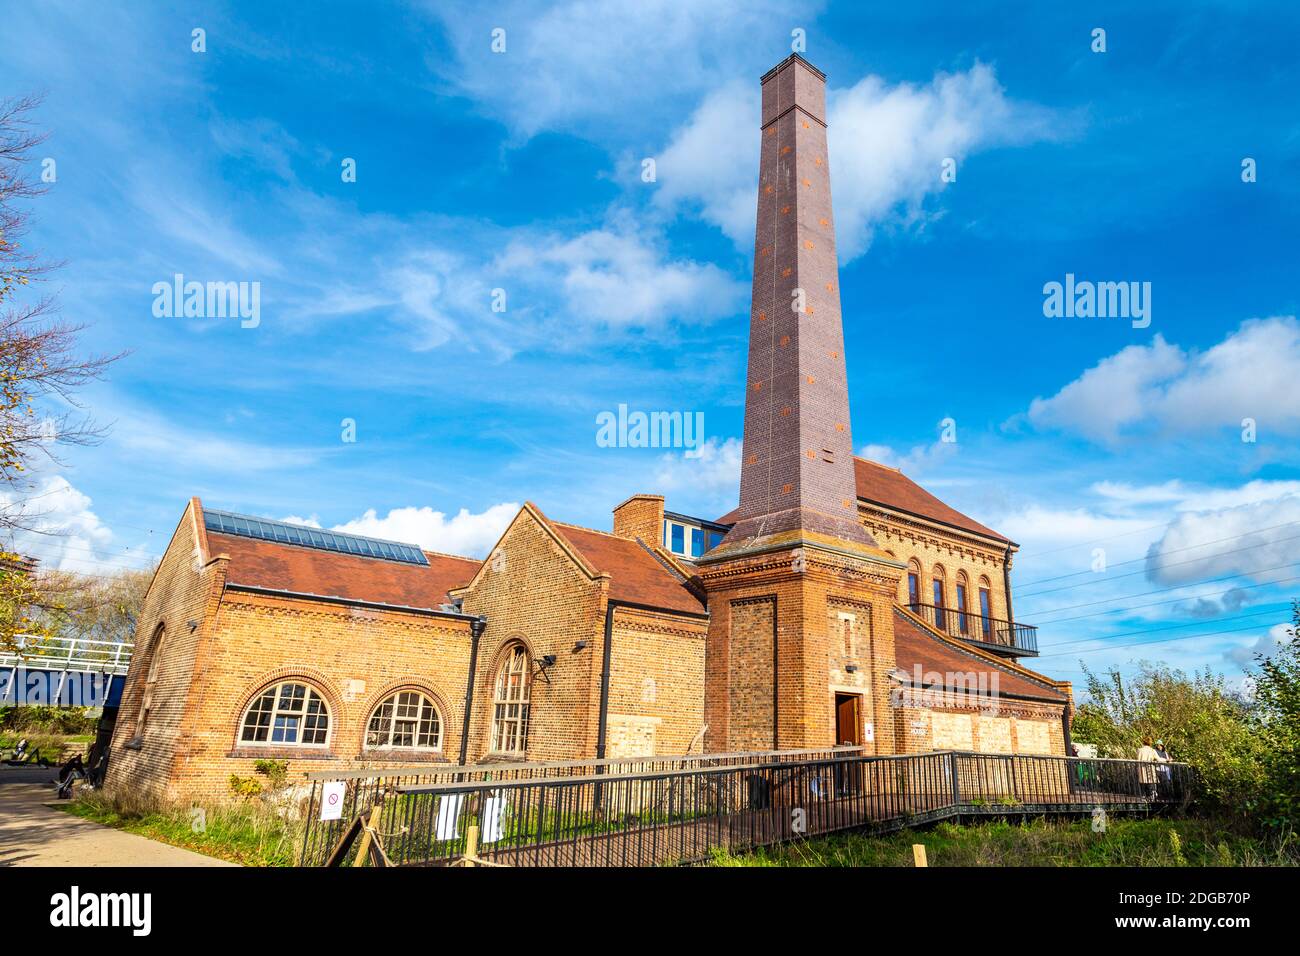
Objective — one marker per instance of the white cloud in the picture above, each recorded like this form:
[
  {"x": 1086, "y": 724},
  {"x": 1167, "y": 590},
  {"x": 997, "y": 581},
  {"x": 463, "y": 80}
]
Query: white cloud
[
  {"x": 919, "y": 460},
  {"x": 58, "y": 525},
  {"x": 617, "y": 277},
  {"x": 1114, "y": 393},
  {"x": 464, "y": 533},
  {"x": 1245, "y": 653},
  {"x": 1252, "y": 373},
  {"x": 712, "y": 470},
  {"x": 158, "y": 440},
  {"x": 603, "y": 66},
  {"x": 886, "y": 143},
  {"x": 1240, "y": 540},
  {"x": 1043, "y": 529},
  {"x": 711, "y": 162},
  {"x": 1184, "y": 497}
]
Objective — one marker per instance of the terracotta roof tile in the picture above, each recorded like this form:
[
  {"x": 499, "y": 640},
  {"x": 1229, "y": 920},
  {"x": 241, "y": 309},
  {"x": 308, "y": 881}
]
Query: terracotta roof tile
[
  {"x": 915, "y": 646},
  {"x": 288, "y": 567},
  {"x": 891, "y": 488},
  {"x": 635, "y": 574}
]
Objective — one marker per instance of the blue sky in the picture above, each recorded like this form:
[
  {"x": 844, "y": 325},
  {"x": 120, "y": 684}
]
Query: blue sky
[{"x": 521, "y": 171}]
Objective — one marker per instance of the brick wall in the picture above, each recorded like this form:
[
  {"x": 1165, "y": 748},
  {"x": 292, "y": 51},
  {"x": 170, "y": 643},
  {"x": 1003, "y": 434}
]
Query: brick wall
[
  {"x": 803, "y": 592},
  {"x": 656, "y": 690},
  {"x": 533, "y": 591},
  {"x": 932, "y": 546},
  {"x": 354, "y": 657},
  {"x": 641, "y": 516},
  {"x": 184, "y": 589}
]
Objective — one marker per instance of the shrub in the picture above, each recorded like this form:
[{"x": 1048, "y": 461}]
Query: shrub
[
  {"x": 275, "y": 771},
  {"x": 244, "y": 787}
]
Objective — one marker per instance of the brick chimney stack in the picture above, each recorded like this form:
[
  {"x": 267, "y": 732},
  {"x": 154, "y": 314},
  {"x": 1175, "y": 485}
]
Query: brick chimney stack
[
  {"x": 797, "y": 564},
  {"x": 797, "y": 466}
]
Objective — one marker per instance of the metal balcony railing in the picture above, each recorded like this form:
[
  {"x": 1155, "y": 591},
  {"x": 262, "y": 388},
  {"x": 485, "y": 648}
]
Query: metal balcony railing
[
  {"x": 991, "y": 632},
  {"x": 69, "y": 654}
]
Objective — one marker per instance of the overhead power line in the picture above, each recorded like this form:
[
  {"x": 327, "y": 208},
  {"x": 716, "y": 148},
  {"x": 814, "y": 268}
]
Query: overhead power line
[{"x": 1190, "y": 547}]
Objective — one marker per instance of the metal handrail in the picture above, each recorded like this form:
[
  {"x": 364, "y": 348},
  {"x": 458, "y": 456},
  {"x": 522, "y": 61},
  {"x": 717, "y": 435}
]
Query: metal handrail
[
  {"x": 968, "y": 625},
  {"x": 684, "y": 814},
  {"x": 70, "y": 654}
]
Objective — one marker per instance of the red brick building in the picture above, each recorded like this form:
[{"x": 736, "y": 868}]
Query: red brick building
[{"x": 839, "y": 603}]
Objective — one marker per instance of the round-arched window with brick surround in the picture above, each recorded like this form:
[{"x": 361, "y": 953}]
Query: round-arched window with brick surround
[
  {"x": 288, "y": 714},
  {"x": 510, "y": 703},
  {"x": 405, "y": 719}
]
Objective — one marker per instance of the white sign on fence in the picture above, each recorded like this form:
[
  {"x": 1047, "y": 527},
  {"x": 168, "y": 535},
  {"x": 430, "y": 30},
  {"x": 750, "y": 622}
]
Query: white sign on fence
[
  {"x": 331, "y": 800},
  {"x": 448, "y": 816},
  {"x": 494, "y": 810}
]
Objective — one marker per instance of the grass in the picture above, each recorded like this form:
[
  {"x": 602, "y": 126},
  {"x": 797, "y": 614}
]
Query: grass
[
  {"x": 1125, "y": 842},
  {"x": 249, "y": 833},
  {"x": 55, "y": 747}
]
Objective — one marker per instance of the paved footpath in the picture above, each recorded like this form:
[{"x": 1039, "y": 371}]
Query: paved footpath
[{"x": 32, "y": 833}]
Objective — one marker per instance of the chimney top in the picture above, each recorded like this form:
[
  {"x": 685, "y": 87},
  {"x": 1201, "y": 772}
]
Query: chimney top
[{"x": 793, "y": 58}]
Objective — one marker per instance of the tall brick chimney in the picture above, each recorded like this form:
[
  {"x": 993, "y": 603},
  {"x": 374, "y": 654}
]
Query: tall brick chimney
[
  {"x": 797, "y": 467},
  {"x": 797, "y": 564}
]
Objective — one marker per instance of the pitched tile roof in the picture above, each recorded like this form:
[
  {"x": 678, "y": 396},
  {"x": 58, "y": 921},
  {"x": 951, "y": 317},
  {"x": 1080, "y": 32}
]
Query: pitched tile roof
[
  {"x": 915, "y": 646},
  {"x": 892, "y": 489},
  {"x": 636, "y": 575},
  {"x": 302, "y": 570}
]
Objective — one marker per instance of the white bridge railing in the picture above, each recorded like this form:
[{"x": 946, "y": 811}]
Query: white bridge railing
[{"x": 69, "y": 654}]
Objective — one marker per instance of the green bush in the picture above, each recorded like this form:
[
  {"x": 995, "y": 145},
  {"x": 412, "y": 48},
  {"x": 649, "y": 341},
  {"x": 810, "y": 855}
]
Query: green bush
[
  {"x": 48, "y": 720},
  {"x": 1245, "y": 749}
]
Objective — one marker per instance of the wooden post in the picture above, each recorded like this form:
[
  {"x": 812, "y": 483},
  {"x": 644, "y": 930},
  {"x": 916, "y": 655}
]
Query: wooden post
[
  {"x": 918, "y": 854},
  {"x": 363, "y": 851},
  {"x": 471, "y": 843}
]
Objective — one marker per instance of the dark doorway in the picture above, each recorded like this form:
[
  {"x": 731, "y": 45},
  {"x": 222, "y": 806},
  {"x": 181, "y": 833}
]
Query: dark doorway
[{"x": 848, "y": 719}]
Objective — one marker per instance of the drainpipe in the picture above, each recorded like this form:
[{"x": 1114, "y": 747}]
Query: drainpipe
[
  {"x": 1006, "y": 589},
  {"x": 601, "y": 730},
  {"x": 476, "y": 629}
]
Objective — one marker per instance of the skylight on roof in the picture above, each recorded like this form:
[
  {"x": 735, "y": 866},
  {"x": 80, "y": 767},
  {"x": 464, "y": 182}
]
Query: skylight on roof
[{"x": 227, "y": 522}]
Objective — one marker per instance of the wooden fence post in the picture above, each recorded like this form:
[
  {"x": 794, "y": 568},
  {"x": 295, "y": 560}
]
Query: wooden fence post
[{"x": 372, "y": 827}]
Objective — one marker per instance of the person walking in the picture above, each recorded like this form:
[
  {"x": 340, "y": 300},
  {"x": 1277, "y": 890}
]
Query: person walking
[
  {"x": 1147, "y": 771},
  {"x": 1164, "y": 771}
]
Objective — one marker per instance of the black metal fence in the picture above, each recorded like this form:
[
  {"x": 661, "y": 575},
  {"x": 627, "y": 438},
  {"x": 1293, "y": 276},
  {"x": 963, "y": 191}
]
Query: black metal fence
[
  {"x": 365, "y": 789},
  {"x": 686, "y": 809}
]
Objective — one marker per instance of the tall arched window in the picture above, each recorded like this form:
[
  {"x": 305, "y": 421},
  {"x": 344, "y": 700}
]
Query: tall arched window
[
  {"x": 510, "y": 703},
  {"x": 963, "y": 621},
  {"x": 939, "y": 585},
  {"x": 914, "y": 583},
  {"x": 986, "y": 610},
  {"x": 405, "y": 719},
  {"x": 290, "y": 714}
]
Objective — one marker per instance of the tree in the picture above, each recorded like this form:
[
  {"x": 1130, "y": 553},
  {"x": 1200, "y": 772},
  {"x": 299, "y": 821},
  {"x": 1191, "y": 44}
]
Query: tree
[
  {"x": 1276, "y": 719},
  {"x": 40, "y": 372},
  {"x": 99, "y": 607},
  {"x": 1198, "y": 718}
]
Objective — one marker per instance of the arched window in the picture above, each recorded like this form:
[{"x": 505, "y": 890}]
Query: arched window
[
  {"x": 405, "y": 719},
  {"x": 963, "y": 621},
  {"x": 150, "y": 679},
  {"x": 986, "y": 610},
  {"x": 939, "y": 583},
  {"x": 290, "y": 714},
  {"x": 510, "y": 703},
  {"x": 913, "y": 583}
]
